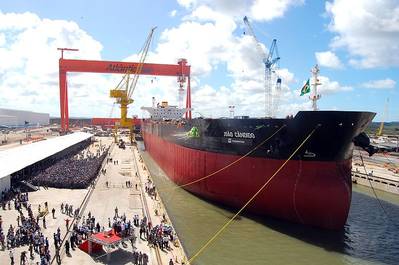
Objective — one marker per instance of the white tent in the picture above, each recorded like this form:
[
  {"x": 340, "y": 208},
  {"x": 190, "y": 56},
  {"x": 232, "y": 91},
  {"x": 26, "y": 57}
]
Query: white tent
[{"x": 15, "y": 159}]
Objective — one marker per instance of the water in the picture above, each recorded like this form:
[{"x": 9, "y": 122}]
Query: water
[{"x": 369, "y": 237}]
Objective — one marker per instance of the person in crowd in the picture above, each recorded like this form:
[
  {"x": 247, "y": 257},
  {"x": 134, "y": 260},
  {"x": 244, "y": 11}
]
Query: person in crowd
[
  {"x": 76, "y": 172},
  {"x": 67, "y": 224},
  {"x": 11, "y": 254},
  {"x": 67, "y": 248}
]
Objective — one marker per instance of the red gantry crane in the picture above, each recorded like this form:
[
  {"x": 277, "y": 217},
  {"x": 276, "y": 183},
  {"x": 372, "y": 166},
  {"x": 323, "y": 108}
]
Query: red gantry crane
[{"x": 181, "y": 70}]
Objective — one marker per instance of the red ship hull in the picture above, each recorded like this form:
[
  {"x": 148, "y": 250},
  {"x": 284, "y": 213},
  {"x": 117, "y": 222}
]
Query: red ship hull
[{"x": 316, "y": 193}]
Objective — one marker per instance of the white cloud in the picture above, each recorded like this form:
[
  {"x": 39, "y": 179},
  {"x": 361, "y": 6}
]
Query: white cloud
[
  {"x": 386, "y": 83},
  {"x": 368, "y": 29},
  {"x": 187, "y": 3},
  {"x": 270, "y": 9},
  {"x": 328, "y": 59},
  {"x": 207, "y": 40},
  {"x": 293, "y": 108},
  {"x": 260, "y": 10},
  {"x": 326, "y": 86},
  {"x": 204, "y": 43},
  {"x": 2, "y": 39},
  {"x": 18, "y": 21},
  {"x": 29, "y": 64},
  {"x": 329, "y": 86},
  {"x": 205, "y": 37},
  {"x": 173, "y": 13}
]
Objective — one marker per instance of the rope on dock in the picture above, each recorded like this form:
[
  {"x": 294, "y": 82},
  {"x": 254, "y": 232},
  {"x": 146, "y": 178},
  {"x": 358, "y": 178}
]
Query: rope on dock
[
  {"x": 250, "y": 200},
  {"x": 372, "y": 188},
  {"x": 144, "y": 201},
  {"x": 228, "y": 165},
  {"x": 82, "y": 208}
]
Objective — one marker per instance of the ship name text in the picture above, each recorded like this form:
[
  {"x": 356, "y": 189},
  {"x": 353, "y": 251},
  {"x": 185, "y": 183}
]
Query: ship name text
[{"x": 238, "y": 134}]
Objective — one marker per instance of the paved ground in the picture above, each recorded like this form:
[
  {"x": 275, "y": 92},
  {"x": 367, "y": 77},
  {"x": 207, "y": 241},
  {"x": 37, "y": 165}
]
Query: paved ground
[
  {"x": 154, "y": 206},
  {"x": 101, "y": 204},
  {"x": 130, "y": 201},
  {"x": 380, "y": 165},
  {"x": 54, "y": 198},
  {"x": 104, "y": 200},
  {"x": 13, "y": 137}
]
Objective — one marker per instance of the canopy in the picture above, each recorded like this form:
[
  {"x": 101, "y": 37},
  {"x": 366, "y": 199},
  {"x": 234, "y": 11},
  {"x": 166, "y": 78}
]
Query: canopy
[{"x": 15, "y": 159}]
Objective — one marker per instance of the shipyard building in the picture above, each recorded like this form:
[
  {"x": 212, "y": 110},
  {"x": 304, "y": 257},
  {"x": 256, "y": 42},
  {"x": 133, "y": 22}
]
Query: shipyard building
[{"x": 20, "y": 118}]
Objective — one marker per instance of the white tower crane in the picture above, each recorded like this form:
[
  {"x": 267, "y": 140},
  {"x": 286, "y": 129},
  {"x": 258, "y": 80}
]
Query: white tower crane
[{"x": 270, "y": 61}]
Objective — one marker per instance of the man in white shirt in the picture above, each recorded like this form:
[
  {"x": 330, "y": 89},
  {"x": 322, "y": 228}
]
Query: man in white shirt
[{"x": 12, "y": 256}]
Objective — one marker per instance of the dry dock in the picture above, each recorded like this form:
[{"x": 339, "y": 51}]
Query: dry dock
[{"x": 110, "y": 190}]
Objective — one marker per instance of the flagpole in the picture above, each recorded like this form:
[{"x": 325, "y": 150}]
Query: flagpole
[{"x": 315, "y": 72}]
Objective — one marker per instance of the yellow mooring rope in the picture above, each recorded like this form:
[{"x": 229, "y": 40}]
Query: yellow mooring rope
[
  {"x": 229, "y": 165},
  {"x": 249, "y": 201}
]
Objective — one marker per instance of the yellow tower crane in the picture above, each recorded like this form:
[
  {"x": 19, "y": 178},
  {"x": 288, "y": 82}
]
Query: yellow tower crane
[
  {"x": 381, "y": 128},
  {"x": 125, "y": 88}
]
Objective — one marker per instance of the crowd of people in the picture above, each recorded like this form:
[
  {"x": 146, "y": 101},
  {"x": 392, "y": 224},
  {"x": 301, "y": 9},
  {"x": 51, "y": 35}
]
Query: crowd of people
[
  {"x": 26, "y": 233},
  {"x": 68, "y": 210},
  {"x": 157, "y": 236},
  {"x": 140, "y": 258},
  {"x": 150, "y": 189},
  {"x": 8, "y": 196},
  {"x": 74, "y": 172}
]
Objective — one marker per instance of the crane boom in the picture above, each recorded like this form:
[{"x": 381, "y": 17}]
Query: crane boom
[
  {"x": 381, "y": 128},
  {"x": 125, "y": 88},
  {"x": 141, "y": 62},
  {"x": 252, "y": 33},
  {"x": 270, "y": 60}
]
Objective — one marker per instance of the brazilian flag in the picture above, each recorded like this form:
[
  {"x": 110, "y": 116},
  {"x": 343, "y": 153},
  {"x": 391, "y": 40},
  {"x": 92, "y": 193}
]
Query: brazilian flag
[{"x": 306, "y": 88}]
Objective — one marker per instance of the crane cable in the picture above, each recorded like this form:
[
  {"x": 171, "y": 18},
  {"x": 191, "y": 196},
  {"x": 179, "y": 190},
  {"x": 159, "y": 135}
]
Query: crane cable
[
  {"x": 372, "y": 188},
  {"x": 112, "y": 110},
  {"x": 125, "y": 79},
  {"x": 250, "y": 200},
  {"x": 110, "y": 115},
  {"x": 230, "y": 164},
  {"x": 140, "y": 65}
]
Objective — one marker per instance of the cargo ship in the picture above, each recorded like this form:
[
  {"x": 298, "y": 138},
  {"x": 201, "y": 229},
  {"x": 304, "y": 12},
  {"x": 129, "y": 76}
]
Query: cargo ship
[{"x": 313, "y": 188}]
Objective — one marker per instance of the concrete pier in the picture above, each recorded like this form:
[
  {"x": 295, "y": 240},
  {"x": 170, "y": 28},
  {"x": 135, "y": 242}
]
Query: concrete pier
[
  {"x": 156, "y": 212},
  {"x": 379, "y": 171},
  {"x": 108, "y": 192}
]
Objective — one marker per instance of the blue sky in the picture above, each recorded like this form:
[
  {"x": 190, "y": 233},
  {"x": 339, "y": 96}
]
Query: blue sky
[{"x": 362, "y": 79}]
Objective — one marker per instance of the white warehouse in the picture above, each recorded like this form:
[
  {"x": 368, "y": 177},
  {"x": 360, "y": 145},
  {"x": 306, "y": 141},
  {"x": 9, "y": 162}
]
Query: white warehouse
[{"x": 17, "y": 118}]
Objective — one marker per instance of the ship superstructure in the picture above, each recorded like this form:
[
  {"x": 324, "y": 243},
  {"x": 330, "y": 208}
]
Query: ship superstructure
[{"x": 164, "y": 111}]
